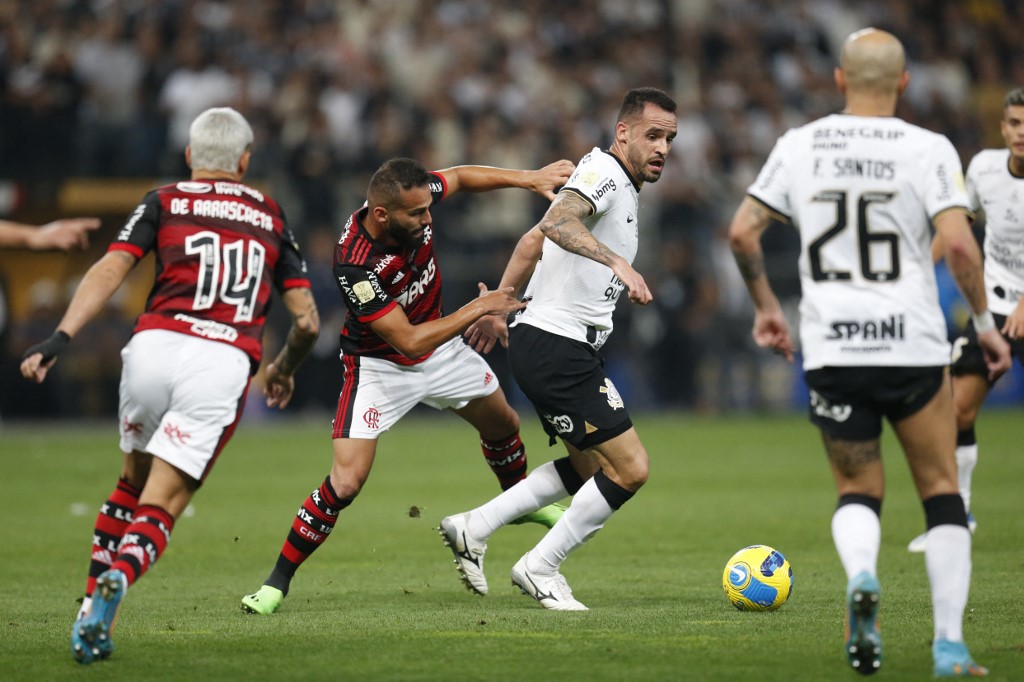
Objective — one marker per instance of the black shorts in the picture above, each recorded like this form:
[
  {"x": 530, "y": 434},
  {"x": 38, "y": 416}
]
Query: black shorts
[
  {"x": 968, "y": 357},
  {"x": 565, "y": 381},
  {"x": 849, "y": 402}
]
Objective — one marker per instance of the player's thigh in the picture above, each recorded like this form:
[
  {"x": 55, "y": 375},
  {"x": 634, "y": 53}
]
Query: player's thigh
[
  {"x": 566, "y": 382},
  {"x": 624, "y": 459},
  {"x": 350, "y": 469},
  {"x": 207, "y": 396},
  {"x": 841, "y": 405},
  {"x": 928, "y": 438},
  {"x": 375, "y": 395},
  {"x": 491, "y": 415},
  {"x": 455, "y": 375},
  {"x": 969, "y": 392}
]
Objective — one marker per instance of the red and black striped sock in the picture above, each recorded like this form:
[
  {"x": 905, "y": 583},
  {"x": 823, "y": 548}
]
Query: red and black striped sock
[
  {"x": 507, "y": 459},
  {"x": 144, "y": 541},
  {"x": 111, "y": 522},
  {"x": 312, "y": 526}
]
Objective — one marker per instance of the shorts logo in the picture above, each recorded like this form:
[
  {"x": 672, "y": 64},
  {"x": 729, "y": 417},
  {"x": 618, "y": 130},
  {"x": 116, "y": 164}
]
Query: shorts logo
[
  {"x": 561, "y": 422},
  {"x": 614, "y": 399},
  {"x": 488, "y": 378},
  {"x": 958, "y": 348},
  {"x": 130, "y": 427},
  {"x": 823, "y": 408},
  {"x": 372, "y": 418},
  {"x": 176, "y": 434},
  {"x": 363, "y": 291}
]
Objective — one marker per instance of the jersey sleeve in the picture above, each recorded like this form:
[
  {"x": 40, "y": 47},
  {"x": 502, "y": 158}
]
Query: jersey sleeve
[
  {"x": 138, "y": 236},
  {"x": 291, "y": 271},
  {"x": 973, "y": 200},
  {"x": 943, "y": 179},
  {"x": 594, "y": 182},
  {"x": 362, "y": 292},
  {"x": 774, "y": 182},
  {"x": 438, "y": 187}
]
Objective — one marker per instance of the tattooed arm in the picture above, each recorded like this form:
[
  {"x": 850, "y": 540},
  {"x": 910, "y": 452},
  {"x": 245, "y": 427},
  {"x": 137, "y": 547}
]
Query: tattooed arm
[
  {"x": 280, "y": 381},
  {"x": 770, "y": 327},
  {"x": 563, "y": 224},
  {"x": 963, "y": 258}
]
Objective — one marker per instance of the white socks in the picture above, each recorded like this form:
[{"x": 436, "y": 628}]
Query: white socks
[
  {"x": 948, "y": 559},
  {"x": 966, "y": 458},
  {"x": 584, "y": 517},
  {"x": 540, "y": 488},
  {"x": 857, "y": 533}
]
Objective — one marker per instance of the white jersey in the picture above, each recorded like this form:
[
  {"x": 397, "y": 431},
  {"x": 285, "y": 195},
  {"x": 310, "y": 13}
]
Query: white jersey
[
  {"x": 574, "y": 296},
  {"x": 861, "y": 191},
  {"x": 991, "y": 187}
]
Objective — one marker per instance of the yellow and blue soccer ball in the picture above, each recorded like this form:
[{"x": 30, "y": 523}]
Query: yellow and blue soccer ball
[{"x": 757, "y": 578}]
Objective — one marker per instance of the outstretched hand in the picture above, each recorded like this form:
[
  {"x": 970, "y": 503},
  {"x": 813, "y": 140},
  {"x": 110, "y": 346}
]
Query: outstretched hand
[
  {"x": 546, "y": 180},
  {"x": 64, "y": 235},
  {"x": 482, "y": 334}
]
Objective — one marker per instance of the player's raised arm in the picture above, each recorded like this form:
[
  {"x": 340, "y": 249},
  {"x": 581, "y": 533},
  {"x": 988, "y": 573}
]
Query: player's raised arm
[
  {"x": 416, "y": 340},
  {"x": 543, "y": 181},
  {"x": 61, "y": 235}
]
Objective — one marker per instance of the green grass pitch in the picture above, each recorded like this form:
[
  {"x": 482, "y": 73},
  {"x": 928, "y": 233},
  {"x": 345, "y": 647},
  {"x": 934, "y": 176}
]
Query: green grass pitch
[{"x": 381, "y": 599}]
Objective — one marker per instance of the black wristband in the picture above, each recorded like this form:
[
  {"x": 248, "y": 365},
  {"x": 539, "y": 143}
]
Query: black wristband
[{"x": 51, "y": 347}]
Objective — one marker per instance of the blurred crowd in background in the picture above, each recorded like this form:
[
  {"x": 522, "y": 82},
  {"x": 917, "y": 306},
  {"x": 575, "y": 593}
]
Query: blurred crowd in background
[{"x": 108, "y": 88}]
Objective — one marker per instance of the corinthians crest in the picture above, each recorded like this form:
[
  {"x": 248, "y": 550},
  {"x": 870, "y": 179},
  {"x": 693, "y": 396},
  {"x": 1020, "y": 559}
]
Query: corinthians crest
[{"x": 614, "y": 399}]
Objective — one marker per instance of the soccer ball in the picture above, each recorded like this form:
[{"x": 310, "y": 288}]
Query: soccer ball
[{"x": 757, "y": 578}]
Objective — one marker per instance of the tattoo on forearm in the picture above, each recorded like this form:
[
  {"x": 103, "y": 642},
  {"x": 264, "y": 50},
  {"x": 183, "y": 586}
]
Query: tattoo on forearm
[
  {"x": 563, "y": 225},
  {"x": 751, "y": 265},
  {"x": 301, "y": 338}
]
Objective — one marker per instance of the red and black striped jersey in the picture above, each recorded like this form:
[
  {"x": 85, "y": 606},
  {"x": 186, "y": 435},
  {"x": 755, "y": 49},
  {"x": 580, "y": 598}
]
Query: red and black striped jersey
[
  {"x": 373, "y": 279},
  {"x": 220, "y": 247}
]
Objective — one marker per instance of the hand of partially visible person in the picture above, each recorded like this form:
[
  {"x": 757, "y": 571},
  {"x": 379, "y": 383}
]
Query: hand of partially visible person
[
  {"x": 546, "y": 180},
  {"x": 997, "y": 353},
  {"x": 39, "y": 358},
  {"x": 482, "y": 334},
  {"x": 500, "y": 301},
  {"x": 635, "y": 285},
  {"x": 64, "y": 235},
  {"x": 278, "y": 387},
  {"x": 772, "y": 331},
  {"x": 1014, "y": 325}
]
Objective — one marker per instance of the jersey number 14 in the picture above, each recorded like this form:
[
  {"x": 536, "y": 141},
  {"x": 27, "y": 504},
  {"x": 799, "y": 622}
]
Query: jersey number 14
[{"x": 229, "y": 272}]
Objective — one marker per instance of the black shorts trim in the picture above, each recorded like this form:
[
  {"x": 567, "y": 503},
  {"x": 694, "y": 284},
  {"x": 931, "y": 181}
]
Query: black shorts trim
[
  {"x": 566, "y": 382},
  {"x": 849, "y": 403}
]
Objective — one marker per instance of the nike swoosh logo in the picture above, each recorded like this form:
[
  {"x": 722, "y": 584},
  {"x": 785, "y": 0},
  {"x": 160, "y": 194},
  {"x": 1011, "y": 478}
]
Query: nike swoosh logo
[{"x": 629, "y": 219}]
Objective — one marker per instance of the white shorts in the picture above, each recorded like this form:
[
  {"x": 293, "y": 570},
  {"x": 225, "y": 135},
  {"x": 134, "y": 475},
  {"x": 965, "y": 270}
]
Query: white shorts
[
  {"x": 376, "y": 393},
  {"x": 181, "y": 397}
]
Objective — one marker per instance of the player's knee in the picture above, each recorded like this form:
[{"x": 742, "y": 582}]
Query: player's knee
[
  {"x": 346, "y": 486},
  {"x": 965, "y": 416}
]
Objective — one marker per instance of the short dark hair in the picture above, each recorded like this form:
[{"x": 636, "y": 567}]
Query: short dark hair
[
  {"x": 1014, "y": 98},
  {"x": 394, "y": 176},
  {"x": 635, "y": 100}
]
